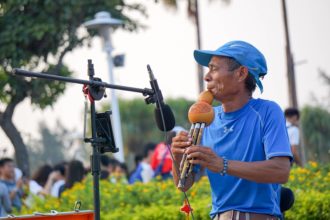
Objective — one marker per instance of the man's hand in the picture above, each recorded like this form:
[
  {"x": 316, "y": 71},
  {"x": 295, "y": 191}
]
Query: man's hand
[
  {"x": 206, "y": 157},
  {"x": 179, "y": 145}
]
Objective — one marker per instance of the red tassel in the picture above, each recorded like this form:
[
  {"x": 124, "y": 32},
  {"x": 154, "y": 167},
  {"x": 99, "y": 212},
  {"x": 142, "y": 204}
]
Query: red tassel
[{"x": 186, "y": 208}]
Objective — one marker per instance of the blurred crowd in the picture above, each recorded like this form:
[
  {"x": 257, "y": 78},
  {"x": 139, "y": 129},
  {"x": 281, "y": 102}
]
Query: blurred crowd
[{"x": 16, "y": 189}]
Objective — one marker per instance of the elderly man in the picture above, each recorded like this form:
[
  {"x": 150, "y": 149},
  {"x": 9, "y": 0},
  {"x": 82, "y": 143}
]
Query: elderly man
[{"x": 245, "y": 150}]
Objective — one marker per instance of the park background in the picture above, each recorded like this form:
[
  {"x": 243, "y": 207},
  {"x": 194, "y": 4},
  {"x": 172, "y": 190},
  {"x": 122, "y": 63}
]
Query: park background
[{"x": 167, "y": 43}]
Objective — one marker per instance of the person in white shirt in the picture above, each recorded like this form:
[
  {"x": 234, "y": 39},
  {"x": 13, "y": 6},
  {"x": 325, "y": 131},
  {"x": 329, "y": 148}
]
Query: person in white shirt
[{"x": 292, "y": 121}]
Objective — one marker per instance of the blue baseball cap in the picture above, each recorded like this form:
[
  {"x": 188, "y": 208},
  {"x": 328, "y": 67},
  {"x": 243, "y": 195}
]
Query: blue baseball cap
[{"x": 243, "y": 52}]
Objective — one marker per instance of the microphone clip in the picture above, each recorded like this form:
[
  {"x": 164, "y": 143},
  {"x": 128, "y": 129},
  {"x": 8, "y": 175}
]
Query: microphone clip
[
  {"x": 156, "y": 96},
  {"x": 152, "y": 98}
]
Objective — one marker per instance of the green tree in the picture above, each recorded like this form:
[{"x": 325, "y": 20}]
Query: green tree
[
  {"x": 180, "y": 108},
  {"x": 36, "y": 35},
  {"x": 316, "y": 129},
  {"x": 138, "y": 123},
  {"x": 54, "y": 146}
]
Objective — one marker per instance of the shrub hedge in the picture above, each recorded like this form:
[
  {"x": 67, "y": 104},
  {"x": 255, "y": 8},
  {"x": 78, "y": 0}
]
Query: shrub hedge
[{"x": 161, "y": 200}]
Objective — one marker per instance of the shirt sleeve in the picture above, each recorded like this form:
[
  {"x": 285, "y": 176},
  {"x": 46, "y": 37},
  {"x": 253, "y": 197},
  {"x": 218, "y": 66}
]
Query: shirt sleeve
[{"x": 275, "y": 138}]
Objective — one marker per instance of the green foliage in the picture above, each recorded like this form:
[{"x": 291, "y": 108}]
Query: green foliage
[
  {"x": 138, "y": 201},
  {"x": 180, "y": 108},
  {"x": 305, "y": 179},
  {"x": 138, "y": 122},
  {"x": 316, "y": 129},
  {"x": 33, "y": 30},
  {"x": 36, "y": 35},
  {"x": 312, "y": 192},
  {"x": 54, "y": 146},
  {"x": 313, "y": 206},
  {"x": 161, "y": 200}
]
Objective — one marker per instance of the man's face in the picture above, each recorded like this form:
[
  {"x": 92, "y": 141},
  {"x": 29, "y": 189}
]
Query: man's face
[
  {"x": 221, "y": 82},
  {"x": 8, "y": 170}
]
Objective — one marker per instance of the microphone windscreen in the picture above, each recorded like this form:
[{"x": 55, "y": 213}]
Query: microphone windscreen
[{"x": 168, "y": 118}]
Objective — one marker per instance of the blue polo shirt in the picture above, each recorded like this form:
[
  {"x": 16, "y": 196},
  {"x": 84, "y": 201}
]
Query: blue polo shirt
[{"x": 256, "y": 132}]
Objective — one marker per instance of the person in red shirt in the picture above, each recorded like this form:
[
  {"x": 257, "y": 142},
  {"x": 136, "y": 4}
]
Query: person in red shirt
[{"x": 161, "y": 161}]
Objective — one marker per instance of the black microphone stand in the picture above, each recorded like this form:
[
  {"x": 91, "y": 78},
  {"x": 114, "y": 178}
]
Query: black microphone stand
[{"x": 96, "y": 89}]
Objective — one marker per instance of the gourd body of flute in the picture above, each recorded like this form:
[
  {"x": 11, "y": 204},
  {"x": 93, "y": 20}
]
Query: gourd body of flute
[{"x": 200, "y": 115}]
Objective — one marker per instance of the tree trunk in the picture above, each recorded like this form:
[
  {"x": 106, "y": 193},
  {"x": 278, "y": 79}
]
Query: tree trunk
[{"x": 21, "y": 153}]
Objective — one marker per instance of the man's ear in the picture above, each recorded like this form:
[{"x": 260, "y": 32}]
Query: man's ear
[{"x": 242, "y": 73}]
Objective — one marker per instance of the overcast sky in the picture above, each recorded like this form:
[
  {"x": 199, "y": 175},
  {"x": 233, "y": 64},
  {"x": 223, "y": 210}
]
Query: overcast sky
[{"x": 168, "y": 44}]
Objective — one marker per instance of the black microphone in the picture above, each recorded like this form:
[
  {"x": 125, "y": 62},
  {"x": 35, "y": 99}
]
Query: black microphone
[{"x": 161, "y": 108}]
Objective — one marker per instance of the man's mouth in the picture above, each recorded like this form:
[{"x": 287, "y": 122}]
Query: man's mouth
[{"x": 211, "y": 89}]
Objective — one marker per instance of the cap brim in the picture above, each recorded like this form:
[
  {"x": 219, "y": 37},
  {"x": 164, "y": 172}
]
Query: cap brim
[{"x": 203, "y": 57}]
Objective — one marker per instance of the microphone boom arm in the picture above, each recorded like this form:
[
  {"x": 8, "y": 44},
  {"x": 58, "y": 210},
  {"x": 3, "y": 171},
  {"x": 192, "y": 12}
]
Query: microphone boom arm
[{"x": 21, "y": 72}]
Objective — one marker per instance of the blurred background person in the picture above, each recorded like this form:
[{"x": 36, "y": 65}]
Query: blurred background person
[
  {"x": 144, "y": 171},
  {"x": 113, "y": 163},
  {"x": 75, "y": 173},
  {"x": 5, "y": 203},
  {"x": 137, "y": 160},
  {"x": 15, "y": 188},
  {"x": 161, "y": 161},
  {"x": 104, "y": 162},
  {"x": 292, "y": 125},
  {"x": 120, "y": 174},
  {"x": 56, "y": 179},
  {"x": 39, "y": 180},
  {"x": 108, "y": 166}
]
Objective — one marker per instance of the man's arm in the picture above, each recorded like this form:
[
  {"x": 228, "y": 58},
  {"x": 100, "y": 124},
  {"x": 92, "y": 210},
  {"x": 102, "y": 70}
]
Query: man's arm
[
  {"x": 178, "y": 147},
  {"x": 275, "y": 170}
]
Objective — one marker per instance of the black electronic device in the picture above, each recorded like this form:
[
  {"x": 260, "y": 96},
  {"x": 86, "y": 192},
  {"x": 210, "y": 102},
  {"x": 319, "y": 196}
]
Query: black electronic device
[{"x": 104, "y": 132}]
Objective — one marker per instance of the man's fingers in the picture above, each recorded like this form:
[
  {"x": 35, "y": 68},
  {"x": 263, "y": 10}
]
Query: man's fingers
[
  {"x": 180, "y": 138},
  {"x": 197, "y": 161},
  {"x": 204, "y": 150},
  {"x": 197, "y": 155},
  {"x": 183, "y": 133},
  {"x": 181, "y": 144},
  {"x": 178, "y": 150}
]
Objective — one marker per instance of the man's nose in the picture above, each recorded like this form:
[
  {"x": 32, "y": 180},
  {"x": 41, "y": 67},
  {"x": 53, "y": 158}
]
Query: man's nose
[{"x": 207, "y": 77}]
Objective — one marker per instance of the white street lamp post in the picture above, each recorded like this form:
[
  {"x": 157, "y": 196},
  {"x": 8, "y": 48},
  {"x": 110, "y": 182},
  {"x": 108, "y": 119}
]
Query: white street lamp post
[{"x": 104, "y": 23}]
